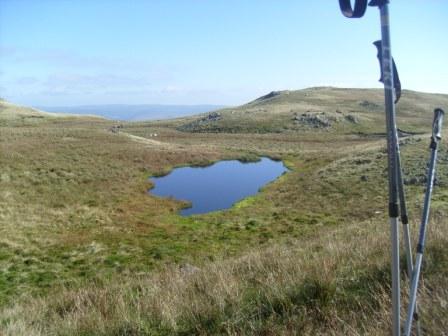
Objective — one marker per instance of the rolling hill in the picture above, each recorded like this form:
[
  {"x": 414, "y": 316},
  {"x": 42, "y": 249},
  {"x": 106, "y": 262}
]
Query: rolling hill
[
  {"x": 13, "y": 114},
  {"x": 10, "y": 111},
  {"x": 317, "y": 109}
]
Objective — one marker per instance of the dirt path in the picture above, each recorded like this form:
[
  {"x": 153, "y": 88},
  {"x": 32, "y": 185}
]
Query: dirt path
[{"x": 151, "y": 142}]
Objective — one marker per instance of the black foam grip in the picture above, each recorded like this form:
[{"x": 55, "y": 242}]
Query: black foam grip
[
  {"x": 419, "y": 248},
  {"x": 433, "y": 144},
  {"x": 393, "y": 210},
  {"x": 404, "y": 219},
  {"x": 437, "y": 124}
]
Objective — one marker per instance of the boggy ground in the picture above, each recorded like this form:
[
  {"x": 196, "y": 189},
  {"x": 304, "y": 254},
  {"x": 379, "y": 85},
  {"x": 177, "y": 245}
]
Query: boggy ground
[{"x": 84, "y": 250}]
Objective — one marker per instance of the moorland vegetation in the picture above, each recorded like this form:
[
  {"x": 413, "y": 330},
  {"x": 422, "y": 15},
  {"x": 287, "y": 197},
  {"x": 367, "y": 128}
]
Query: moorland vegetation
[{"x": 85, "y": 250}]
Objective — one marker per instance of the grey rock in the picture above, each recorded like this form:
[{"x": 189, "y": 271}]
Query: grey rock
[
  {"x": 352, "y": 119},
  {"x": 188, "y": 269},
  {"x": 314, "y": 120}
]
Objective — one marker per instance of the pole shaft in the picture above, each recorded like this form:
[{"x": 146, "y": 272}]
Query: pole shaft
[
  {"x": 413, "y": 294},
  {"x": 421, "y": 239},
  {"x": 406, "y": 230},
  {"x": 395, "y": 277},
  {"x": 427, "y": 203},
  {"x": 390, "y": 111},
  {"x": 404, "y": 215},
  {"x": 392, "y": 164}
]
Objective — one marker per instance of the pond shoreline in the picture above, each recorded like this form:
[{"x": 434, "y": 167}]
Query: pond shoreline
[{"x": 217, "y": 186}]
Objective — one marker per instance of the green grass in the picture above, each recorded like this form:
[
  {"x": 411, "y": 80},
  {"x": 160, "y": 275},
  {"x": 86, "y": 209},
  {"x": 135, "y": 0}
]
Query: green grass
[
  {"x": 76, "y": 218},
  {"x": 347, "y": 112}
]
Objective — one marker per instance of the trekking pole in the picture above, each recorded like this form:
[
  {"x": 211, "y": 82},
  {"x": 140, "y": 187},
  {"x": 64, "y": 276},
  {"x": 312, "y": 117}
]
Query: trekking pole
[
  {"x": 387, "y": 67},
  {"x": 435, "y": 138},
  {"x": 401, "y": 194},
  {"x": 388, "y": 70}
]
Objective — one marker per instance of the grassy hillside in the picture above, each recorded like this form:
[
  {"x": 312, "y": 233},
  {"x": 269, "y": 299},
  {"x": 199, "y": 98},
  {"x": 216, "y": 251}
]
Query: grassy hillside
[
  {"x": 316, "y": 109},
  {"x": 12, "y": 115},
  {"x": 85, "y": 250}
]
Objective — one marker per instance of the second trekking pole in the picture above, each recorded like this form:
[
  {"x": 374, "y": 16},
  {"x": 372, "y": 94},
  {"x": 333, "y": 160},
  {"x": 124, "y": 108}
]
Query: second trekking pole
[{"x": 436, "y": 137}]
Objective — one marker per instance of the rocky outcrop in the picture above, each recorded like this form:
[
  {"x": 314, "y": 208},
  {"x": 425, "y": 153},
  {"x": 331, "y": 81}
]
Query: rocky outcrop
[
  {"x": 205, "y": 123},
  {"x": 351, "y": 119},
  {"x": 115, "y": 128},
  {"x": 314, "y": 120},
  {"x": 369, "y": 105}
]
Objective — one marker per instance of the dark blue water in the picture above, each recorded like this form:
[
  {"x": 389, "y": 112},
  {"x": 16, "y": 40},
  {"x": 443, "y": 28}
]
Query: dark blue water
[{"x": 218, "y": 186}]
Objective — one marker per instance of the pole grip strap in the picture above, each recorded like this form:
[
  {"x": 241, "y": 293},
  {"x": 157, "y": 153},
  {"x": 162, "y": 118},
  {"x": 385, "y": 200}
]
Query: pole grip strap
[{"x": 353, "y": 12}]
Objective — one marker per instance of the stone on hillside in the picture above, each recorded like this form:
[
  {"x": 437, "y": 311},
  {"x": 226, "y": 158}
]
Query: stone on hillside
[
  {"x": 314, "y": 120},
  {"x": 368, "y": 104},
  {"x": 188, "y": 269},
  {"x": 205, "y": 123},
  {"x": 213, "y": 116},
  {"x": 351, "y": 118}
]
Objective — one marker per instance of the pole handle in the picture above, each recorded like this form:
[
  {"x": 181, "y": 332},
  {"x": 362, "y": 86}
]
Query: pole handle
[
  {"x": 437, "y": 124},
  {"x": 353, "y": 12},
  {"x": 397, "y": 84}
]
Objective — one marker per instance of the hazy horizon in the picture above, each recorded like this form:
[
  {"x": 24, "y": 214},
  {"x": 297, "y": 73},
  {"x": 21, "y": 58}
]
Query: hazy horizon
[{"x": 133, "y": 112}]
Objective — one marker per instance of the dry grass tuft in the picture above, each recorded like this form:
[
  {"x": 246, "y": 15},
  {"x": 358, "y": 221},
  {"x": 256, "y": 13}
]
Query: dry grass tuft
[{"x": 335, "y": 284}]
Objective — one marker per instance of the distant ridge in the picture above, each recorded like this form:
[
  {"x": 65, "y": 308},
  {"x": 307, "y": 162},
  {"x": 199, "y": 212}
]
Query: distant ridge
[
  {"x": 318, "y": 109},
  {"x": 268, "y": 96},
  {"x": 10, "y": 111},
  {"x": 134, "y": 112}
]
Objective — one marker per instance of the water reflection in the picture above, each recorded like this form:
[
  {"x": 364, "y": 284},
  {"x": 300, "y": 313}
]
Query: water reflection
[{"x": 218, "y": 186}]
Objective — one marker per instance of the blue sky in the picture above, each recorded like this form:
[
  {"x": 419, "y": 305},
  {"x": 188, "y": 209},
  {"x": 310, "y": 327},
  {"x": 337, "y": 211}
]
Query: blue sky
[{"x": 62, "y": 52}]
